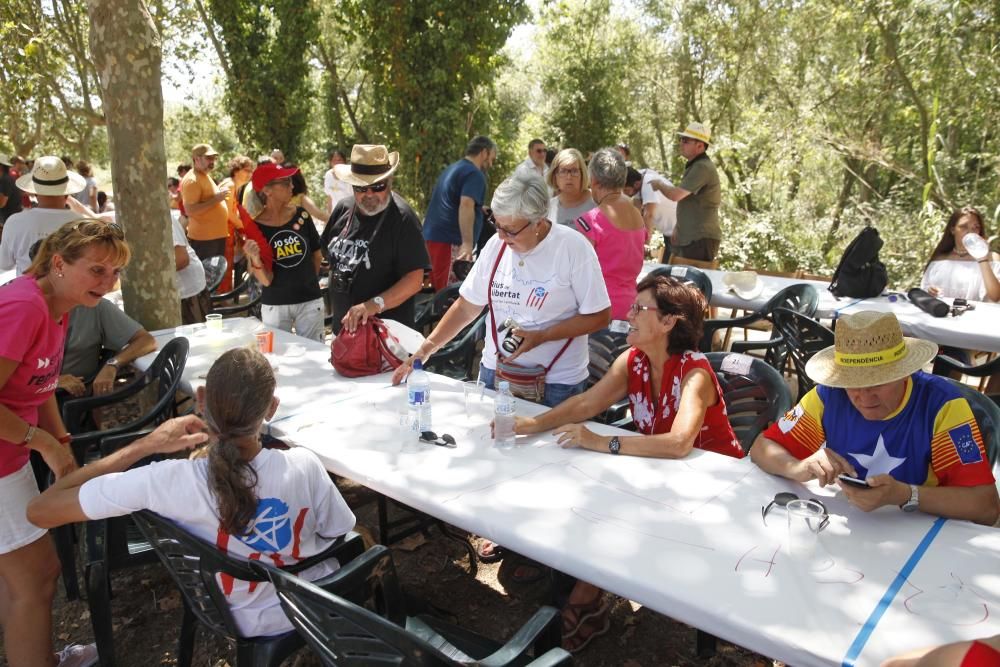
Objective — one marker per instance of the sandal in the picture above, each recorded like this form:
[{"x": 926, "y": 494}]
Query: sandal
[
  {"x": 489, "y": 552},
  {"x": 593, "y": 620}
]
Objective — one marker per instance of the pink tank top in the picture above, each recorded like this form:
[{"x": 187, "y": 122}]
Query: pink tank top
[{"x": 620, "y": 254}]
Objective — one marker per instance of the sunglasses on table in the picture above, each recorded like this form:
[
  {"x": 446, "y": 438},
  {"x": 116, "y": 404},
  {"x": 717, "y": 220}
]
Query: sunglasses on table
[
  {"x": 782, "y": 499},
  {"x": 431, "y": 438},
  {"x": 374, "y": 187}
]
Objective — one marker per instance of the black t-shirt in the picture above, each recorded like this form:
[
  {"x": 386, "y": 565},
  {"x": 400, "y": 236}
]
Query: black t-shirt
[
  {"x": 292, "y": 245},
  {"x": 13, "y": 204},
  {"x": 377, "y": 261}
]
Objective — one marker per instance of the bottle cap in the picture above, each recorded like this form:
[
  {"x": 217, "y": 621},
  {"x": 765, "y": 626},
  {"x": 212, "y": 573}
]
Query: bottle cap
[
  {"x": 504, "y": 385},
  {"x": 418, "y": 365}
]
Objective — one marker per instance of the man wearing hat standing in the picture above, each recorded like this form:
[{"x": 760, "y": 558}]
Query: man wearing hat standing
[
  {"x": 876, "y": 416},
  {"x": 52, "y": 183},
  {"x": 377, "y": 255},
  {"x": 10, "y": 196},
  {"x": 455, "y": 212},
  {"x": 697, "y": 233},
  {"x": 205, "y": 205}
]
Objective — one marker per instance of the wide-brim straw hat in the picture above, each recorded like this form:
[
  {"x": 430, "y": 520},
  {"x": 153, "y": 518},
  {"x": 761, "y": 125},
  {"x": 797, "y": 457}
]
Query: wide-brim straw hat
[
  {"x": 370, "y": 163},
  {"x": 746, "y": 284},
  {"x": 697, "y": 131},
  {"x": 51, "y": 177},
  {"x": 869, "y": 349}
]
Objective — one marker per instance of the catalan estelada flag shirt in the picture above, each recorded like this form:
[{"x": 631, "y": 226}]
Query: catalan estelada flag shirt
[{"x": 932, "y": 439}]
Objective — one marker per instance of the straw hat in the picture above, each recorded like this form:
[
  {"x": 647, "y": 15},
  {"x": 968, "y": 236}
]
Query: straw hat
[
  {"x": 869, "y": 349},
  {"x": 697, "y": 131},
  {"x": 745, "y": 284},
  {"x": 51, "y": 177},
  {"x": 369, "y": 164}
]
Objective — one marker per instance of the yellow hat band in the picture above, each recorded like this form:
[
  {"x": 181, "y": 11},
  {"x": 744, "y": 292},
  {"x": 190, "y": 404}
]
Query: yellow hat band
[
  {"x": 877, "y": 358},
  {"x": 697, "y": 135}
]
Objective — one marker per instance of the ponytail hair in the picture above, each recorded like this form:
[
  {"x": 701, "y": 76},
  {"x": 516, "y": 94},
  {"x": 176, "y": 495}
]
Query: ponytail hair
[{"x": 238, "y": 392}]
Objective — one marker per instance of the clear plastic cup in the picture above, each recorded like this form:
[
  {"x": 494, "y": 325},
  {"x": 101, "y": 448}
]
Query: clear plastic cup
[{"x": 806, "y": 519}]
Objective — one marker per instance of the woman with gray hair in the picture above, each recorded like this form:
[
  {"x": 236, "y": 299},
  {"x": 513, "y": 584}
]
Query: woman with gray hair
[
  {"x": 569, "y": 179},
  {"x": 615, "y": 228},
  {"x": 542, "y": 284}
]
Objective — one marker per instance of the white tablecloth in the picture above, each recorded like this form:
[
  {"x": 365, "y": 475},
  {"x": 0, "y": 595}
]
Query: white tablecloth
[{"x": 684, "y": 537}]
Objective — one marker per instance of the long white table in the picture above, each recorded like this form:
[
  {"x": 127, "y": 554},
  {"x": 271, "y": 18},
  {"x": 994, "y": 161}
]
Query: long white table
[{"x": 683, "y": 537}]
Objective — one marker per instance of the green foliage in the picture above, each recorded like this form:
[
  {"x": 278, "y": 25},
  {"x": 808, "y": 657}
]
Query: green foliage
[
  {"x": 268, "y": 88},
  {"x": 430, "y": 65}
]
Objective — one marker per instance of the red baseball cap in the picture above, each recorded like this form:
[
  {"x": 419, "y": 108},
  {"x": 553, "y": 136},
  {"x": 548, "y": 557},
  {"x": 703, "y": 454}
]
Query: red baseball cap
[{"x": 268, "y": 172}]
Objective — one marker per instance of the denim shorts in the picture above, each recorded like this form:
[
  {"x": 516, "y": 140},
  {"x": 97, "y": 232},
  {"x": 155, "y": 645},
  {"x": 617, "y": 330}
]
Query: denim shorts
[{"x": 554, "y": 393}]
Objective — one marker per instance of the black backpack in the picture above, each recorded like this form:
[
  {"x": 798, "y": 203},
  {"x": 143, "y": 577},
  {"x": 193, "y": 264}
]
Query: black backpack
[{"x": 860, "y": 274}]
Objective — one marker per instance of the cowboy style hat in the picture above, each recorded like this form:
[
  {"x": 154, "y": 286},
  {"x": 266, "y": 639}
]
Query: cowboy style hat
[
  {"x": 370, "y": 164},
  {"x": 51, "y": 177},
  {"x": 869, "y": 349},
  {"x": 697, "y": 131}
]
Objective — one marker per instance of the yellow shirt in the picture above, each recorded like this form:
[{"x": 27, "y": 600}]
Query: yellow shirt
[{"x": 209, "y": 224}]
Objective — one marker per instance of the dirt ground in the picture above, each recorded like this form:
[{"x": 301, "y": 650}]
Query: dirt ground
[{"x": 146, "y": 610}]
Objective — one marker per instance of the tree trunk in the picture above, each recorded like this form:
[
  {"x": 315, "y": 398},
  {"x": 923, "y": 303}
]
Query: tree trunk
[{"x": 126, "y": 51}]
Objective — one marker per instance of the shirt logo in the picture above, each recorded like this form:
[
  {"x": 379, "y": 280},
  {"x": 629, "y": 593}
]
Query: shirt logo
[
  {"x": 44, "y": 363},
  {"x": 289, "y": 248},
  {"x": 271, "y": 529},
  {"x": 791, "y": 418},
  {"x": 537, "y": 297},
  {"x": 965, "y": 444}
]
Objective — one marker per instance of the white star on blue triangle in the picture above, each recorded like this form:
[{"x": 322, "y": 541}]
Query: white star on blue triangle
[{"x": 878, "y": 462}]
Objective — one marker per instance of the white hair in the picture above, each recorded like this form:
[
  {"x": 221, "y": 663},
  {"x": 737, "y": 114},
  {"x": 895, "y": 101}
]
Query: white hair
[{"x": 523, "y": 195}]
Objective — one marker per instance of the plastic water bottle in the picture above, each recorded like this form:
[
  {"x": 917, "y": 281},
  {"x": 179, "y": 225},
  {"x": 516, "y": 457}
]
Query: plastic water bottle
[
  {"x": 503, "y": 417},
  {"x": 418, "y": 390}
]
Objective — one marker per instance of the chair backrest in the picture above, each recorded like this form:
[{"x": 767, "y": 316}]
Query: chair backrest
[
  {"x": 802, "y": 298},
  {"x": 605, "y": 347},
  {"x": 803, "y": 337},
  {"x": 688, "y": 274},
  {"x": 987, "y": 414},
  {"x": 755, "y": 393},
  {"x": 428, "y": 313},
  {"x": 344, "y": 634},
  {"x": 167, "y": 371},
  {"x": 700, "y": 263},
  {"x": 457, "y": 355},
  {"x": 215, "y": 271}
]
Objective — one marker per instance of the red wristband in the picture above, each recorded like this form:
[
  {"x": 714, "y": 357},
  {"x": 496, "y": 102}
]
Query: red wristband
[{"x": 66, "y": 439}]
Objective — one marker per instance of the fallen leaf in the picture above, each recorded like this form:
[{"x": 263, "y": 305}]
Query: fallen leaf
[
  {"x": 412, "y": 543},
  {"x": 64, "y": 636}
]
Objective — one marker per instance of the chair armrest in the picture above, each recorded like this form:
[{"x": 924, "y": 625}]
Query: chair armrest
[
  {"x": 982, "y": 370},
  {"x": 552, "y": 658},
  {"x": 743, "y": 346},
  {"x": 345, "y": 549},
  {"x": 542, "y": 632},
  {"x": 225, "y": 296}
]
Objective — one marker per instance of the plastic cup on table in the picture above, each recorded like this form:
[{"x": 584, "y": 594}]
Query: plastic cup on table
[
  {"x": 214, "y": 322},
  {"x": 805, "y": 521},
  {"x": 475, "y": 397}
]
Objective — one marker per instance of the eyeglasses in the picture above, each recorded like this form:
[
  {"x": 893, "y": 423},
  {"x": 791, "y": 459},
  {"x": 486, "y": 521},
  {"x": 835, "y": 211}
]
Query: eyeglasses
[
  {"x": 99, "y": 229},
  {"x": 431, "y": 438},
  {"x": 635, "y": 308},
  {"x": 568, "y": 172},
  {"x": 782, "y": 499},
  {"x": 374, "y": 187},
  {"x": 509, "y": 234}
]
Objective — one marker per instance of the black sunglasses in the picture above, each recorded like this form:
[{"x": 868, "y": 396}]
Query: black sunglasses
[
  {"x": 374, "y": 187},
  {"x": 431, "y": 438},
  {"x": 782, "y": 499}
]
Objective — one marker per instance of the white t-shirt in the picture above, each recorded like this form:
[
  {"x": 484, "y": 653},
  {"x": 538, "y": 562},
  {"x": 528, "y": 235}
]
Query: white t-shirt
[
  {"x": 23, "y": 229},
  {"x": 299, "y": 514},
  {"x": 956, "y": 279},
  {"x": 191, "y": 279},
  {"x": 335, "y": 188},
  {"x": 666, "y": 209},
  {"x": 560, "y": 278}
]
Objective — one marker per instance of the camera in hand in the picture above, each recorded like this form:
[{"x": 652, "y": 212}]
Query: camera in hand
[{"x": 511, "y": 342}]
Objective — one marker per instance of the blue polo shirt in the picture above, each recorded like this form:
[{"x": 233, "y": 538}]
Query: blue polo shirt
[{"x": 441, "y": 220}]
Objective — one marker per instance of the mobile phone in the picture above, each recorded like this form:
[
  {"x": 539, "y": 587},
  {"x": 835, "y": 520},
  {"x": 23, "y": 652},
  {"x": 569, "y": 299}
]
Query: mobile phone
[{"x": 853, "y": 481}]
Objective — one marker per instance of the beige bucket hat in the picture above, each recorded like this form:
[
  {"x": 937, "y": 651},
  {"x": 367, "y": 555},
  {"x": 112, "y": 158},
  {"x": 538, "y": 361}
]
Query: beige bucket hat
[
  {"x": 869, "y": 349},
  {"x": 370, "y": 163},
  {"x": 51, "y": 177}
]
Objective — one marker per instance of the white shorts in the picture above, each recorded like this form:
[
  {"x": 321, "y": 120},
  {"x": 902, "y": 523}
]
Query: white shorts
[
  {"x": 16, "y": 490},
  {"x": 305, "y": 317}
]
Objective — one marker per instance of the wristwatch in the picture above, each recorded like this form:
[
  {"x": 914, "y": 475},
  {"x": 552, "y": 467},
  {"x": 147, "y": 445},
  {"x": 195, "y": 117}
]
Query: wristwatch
[
  {"x": 913, "y": 504},
  {"x": 379, "y": 303},
  {"x": 615, "y": 445},
  {"x": 113, "y": 362}
]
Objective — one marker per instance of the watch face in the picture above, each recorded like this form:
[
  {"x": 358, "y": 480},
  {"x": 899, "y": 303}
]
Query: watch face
[{"x": 614, "y": 445}]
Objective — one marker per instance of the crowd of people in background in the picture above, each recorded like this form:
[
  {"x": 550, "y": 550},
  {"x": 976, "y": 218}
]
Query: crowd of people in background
[{"x": 552, "y": 258}]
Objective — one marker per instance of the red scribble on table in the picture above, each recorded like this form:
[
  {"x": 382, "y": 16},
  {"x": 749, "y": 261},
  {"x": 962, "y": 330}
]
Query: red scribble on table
[
  {"x": 912, "y": 604},
  {"x": 770, "y": 563}
]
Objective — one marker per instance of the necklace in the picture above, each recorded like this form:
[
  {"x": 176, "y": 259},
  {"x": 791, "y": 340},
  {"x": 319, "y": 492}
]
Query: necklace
[
  {"x": 960, "y": 254},
  {"x": 521, "y": 256},
  {"x": 601, "y": 200}
]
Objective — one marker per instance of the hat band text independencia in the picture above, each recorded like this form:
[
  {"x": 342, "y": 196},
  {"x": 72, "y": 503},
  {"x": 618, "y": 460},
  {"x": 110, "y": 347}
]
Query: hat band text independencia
[
  {"x": 877, "y": 358},
  {"x": 370, "y": 169},
  {"x": 58, "y": 181}
]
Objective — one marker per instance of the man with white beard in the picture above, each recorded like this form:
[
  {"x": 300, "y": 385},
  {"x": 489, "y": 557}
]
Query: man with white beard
[{"x": 374, "y": 244}]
